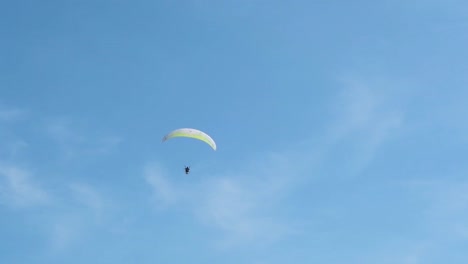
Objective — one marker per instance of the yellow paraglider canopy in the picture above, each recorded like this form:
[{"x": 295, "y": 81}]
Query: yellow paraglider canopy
[{"x": 191, "y": 133}]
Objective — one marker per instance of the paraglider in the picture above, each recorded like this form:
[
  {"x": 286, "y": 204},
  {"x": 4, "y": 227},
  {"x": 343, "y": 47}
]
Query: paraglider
[{"x": 190, "y": 133}]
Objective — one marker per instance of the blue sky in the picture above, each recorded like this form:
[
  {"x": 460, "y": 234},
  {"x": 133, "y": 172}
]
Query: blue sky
[{"x": 341, "y": 128}]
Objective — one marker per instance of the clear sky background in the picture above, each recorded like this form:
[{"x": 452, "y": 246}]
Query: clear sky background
[{"x": 342, "y": 131}]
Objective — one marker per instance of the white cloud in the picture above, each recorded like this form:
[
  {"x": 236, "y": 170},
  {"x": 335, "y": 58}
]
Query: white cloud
[
  {"x": 448, "y": 208},
  {"x": 403, "y": 252},
  {"x": 243, "y": 204},
  {"x": 163, "y": 191},
  {"x": 17, "y": 146},
  {"x": 443, "y": 209},
  {"x": 81, "y": 210},
  {"x": 245, "y": 210},
  {"x": 17, "y": 189},
  {"x": 88, "y": 197},
  {"x": 66, "y": 218},
  {"x": 363, "y": 106},
  {"x": 75, "y": 141},
  {"x": 64, "y": 232},
  {"x": 67, "y": 138},
  {"x": 69, "y": 213},
  {"x": 11, "y": 114},
  {"x": 107, "y": 144},
  {"x": 365, "y": 118}
]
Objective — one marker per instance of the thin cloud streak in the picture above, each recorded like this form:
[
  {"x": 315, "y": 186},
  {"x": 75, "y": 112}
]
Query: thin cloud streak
[
  {"x": 242, "y": 204},
  {"x": 446, "y": 205},
  {"x": 68, "y": 213},
  {"x": 11, "y": 114},
  {"x": 164, "y": 193},
  {"x": 365, "y": 118},
  {"x": 17, "y": 189},
  {"x": 77, "y": 217},
  {"x": 74, "y": 141}
]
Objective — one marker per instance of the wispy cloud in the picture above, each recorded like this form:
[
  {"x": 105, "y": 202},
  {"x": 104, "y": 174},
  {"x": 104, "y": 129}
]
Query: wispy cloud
[
  {"x": 75, "y": 141},
  {"x": 11, "y": 114},
  {"x": 105, "y": 145},
  {"x": 64, "y": 231},
  {"x": 60, "y": 130},
  {"x": 13, "y": 147},
  {"x": 446, "y": 205},
  {"x": 404, "y": 252},
  {"x": 88, "y": 197},
  {"x": 442, "y": 208},
  {"x": 245, "y": 211},
  {"x": 242, "y": 204},
  {"x": 365, "y": 118},
  {"x": 164, "y": 193},
  {"x": 68, "y": 213},
  {"x": 363, "y": 105},
  {"x": 18, "y": 189},
  {"x": 81, "y": 211}
]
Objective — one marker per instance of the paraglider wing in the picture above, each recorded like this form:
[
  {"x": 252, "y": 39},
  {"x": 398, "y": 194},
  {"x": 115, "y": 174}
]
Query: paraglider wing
[{"x": 191, "y": 133}]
